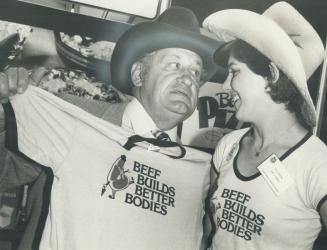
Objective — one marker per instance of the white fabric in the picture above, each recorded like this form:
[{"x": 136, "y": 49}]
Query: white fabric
[
  {"x": 248, "y": 213},
  {"x": 162, "y": 209},
  {"x": 135, "y": 118},
  {"x": 307, "y": 40}
]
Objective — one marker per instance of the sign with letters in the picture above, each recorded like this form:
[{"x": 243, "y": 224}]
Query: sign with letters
[{"x": 213, "y": 118}]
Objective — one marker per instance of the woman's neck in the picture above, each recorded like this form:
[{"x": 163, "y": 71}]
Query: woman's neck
[{"x": 282, "y": 128}]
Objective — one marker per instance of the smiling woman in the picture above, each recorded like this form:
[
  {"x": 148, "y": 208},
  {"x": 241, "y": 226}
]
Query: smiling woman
[
  {"x": 277, "y": 163},
  {"x": 280, "y": 90}
]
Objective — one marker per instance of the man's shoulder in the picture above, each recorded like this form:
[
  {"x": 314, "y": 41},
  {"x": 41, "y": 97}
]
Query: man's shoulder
[{"x": 111, "y": 112}]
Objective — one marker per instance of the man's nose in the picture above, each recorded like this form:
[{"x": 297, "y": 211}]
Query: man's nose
[{"x": 186, "y": 79}]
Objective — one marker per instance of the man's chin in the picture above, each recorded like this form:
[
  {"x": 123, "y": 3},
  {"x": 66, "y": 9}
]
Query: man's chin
[{"x": 181, "y": 109}]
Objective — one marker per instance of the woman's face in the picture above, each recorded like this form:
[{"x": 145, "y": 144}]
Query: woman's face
[{"x": 248, "y": 90}]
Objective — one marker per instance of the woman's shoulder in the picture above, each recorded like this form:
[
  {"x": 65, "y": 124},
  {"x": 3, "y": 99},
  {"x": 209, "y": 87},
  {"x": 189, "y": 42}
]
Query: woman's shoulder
[{"x": 315, "y": 146}]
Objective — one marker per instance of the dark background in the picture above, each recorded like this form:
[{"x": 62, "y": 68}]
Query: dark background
[{"x": 315, "y": 11}]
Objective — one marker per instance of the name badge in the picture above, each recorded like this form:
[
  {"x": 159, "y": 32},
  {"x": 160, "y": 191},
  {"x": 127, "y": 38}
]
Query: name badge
[{"x": 275, "y": 174}]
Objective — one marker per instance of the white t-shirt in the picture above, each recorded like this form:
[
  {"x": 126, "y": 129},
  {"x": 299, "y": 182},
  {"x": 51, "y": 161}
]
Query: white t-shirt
[
  {"x": 250, "y": 216},
  {"x": 100, "y": 201}
]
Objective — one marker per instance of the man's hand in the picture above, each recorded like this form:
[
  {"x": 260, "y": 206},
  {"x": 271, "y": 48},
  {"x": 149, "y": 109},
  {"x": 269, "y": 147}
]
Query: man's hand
[{"x": 16, "y": 80}]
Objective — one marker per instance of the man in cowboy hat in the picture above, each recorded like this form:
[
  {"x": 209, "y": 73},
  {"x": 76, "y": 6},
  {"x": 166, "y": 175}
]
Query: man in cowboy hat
[{"x": 163, "y": 64}]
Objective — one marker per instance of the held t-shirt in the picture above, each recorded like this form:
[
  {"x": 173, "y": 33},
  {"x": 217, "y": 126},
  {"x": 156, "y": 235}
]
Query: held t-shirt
[{"x": 104, "y": 196}]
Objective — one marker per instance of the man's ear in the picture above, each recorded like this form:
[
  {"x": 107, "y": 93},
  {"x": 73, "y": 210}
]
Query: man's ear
[
  {"x": 274, "y": 72},
  {"x": 136, "y": 72}
]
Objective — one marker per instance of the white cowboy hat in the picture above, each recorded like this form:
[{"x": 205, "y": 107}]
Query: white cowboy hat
[{"x": 283, "y": 35}]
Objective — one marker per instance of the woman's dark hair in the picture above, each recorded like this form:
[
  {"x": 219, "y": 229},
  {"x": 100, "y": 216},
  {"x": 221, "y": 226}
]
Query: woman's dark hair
[{"x": 282, "y": 91}]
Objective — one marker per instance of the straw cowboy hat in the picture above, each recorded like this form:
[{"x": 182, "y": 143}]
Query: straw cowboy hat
[
  {"x": 177, "y": 27},
  {"x": 281, "y": 34}
]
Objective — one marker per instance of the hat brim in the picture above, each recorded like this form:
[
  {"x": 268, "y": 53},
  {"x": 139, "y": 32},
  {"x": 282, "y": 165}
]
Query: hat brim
[{"x": 147, "y": 37}]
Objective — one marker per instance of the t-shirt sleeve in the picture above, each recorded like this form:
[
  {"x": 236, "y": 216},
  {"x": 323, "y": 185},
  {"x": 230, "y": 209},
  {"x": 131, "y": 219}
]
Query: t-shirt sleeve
[
  {"x": 45, "y": 131},
  {"x": 218, "y": 154},
  {"x": 317, "y": 185}
]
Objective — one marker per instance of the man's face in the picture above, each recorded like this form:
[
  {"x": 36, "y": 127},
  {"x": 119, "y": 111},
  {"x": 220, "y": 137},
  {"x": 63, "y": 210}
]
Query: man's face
[{"x": 169, "y": 90}]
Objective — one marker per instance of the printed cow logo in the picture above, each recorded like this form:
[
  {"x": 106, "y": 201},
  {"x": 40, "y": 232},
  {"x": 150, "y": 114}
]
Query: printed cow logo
[
  {"x": 117, "y": 178},
  {"x": 148, "y": 191}
]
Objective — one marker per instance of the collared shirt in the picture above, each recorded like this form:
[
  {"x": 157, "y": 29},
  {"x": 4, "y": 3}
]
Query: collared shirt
[{"x": 137, "y": 119}]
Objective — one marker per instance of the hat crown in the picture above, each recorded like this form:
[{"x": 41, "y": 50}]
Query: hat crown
[
  {"x": 180, "y": 17},
  {"x": 300, "y": 31}
]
